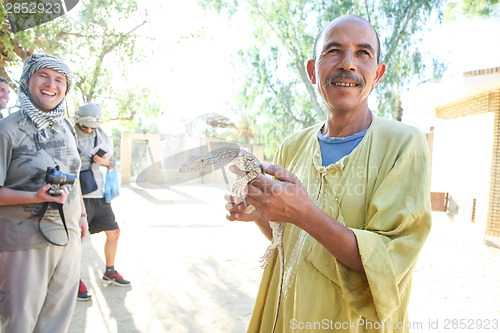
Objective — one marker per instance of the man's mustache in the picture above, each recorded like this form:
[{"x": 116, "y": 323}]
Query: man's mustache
[{"x": 330, "y": 80}]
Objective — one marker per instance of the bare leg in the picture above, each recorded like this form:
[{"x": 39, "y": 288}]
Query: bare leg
[{"x": 111, "y": 246}]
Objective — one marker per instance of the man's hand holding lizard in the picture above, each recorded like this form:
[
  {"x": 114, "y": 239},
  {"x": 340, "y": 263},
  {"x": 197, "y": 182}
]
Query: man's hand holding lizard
[{"x": 281, "y": 200}]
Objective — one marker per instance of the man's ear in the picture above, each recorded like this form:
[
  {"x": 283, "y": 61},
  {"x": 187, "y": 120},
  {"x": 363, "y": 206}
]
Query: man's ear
[
  {"x": 380, "y": 72},
  {"x": 311, "y": 69}
]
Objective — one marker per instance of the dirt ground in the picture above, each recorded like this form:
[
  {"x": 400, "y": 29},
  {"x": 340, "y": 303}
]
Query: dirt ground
[{"x": 193, "y": 271}]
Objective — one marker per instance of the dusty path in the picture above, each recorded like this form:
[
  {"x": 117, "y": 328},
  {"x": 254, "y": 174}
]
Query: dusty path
[{"x": 193, "y": 271}]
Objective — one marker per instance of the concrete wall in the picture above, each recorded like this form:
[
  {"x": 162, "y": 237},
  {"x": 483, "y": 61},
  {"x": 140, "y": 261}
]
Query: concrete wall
[
  {"x": 461, "y": 163},
  {"x": 469, "y": 124}
]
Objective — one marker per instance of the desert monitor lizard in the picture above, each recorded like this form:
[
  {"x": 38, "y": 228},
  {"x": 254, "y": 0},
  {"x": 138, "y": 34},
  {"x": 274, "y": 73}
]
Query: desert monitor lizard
[{"x": 250, "y": 164}]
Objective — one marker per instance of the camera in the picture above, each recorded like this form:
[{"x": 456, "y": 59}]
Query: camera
[{"x": 56, "y": 178}]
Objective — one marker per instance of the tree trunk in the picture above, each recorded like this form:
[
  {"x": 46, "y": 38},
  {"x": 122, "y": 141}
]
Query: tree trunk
[
  {"x": 310, "y": 89},
  {"x": 399, "y": 116},
  {"x": 4, "y": 74}
]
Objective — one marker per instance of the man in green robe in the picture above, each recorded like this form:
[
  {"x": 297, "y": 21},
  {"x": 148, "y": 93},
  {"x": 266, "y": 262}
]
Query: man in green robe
[{"x": 354, "y": 195}]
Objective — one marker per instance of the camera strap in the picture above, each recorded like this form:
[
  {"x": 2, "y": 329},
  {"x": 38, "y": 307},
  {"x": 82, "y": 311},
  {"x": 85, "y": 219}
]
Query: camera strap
[
  {"x": 45, "y": 205},
  {"x": 95, "y": 145}
]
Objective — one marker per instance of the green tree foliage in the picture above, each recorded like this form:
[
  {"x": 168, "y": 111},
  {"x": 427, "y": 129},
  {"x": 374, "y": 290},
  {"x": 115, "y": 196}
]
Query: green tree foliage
[
  {"x": 15, "y": 48},
  {"x": 402, "y": 27},
  {"x": 98, "y": 39},
  {"x": 471, "y": 8},
  {"x": 139, "y": 101},
  {"x": 277, "y": 87}
]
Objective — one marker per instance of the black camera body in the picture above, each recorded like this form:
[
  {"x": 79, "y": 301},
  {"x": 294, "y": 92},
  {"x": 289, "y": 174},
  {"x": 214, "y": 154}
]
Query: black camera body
[{"x": 56, "y": 178}]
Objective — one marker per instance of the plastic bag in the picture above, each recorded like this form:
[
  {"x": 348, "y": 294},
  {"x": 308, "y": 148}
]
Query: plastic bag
[{"x": 112, "y": 185}]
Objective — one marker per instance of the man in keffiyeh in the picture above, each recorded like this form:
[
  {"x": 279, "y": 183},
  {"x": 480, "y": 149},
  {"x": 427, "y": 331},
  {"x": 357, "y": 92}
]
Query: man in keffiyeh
[
  {"x": 39, "y": 256},
  {"x": 44, "y": 107}
]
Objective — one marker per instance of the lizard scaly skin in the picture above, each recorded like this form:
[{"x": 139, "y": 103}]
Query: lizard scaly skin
[{"x": 249, "y": 163}]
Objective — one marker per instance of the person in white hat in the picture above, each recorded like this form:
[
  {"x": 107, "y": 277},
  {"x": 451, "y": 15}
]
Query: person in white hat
[{"x": 96, "y": 152}]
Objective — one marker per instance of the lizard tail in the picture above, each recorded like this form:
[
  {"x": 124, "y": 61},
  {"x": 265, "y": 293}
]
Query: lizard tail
[
  {"x": 265, "y": 258},
  {"x": 280, "y": 289}
]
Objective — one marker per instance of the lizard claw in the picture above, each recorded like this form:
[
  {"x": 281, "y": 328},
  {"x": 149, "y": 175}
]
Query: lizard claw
[{"x": 265, "y": 258}]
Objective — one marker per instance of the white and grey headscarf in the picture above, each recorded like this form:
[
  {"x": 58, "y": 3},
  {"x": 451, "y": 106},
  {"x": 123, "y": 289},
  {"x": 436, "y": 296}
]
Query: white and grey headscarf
[{"x": 43, "y": 121}]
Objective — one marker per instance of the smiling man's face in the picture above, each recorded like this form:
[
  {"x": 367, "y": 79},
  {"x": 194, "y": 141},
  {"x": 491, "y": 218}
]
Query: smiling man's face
[
  {"x": 346, "y": 69},
  {"x": 47, "y": 88}
]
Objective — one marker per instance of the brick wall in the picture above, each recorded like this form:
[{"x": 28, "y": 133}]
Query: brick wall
[
  {"x": 493, "y": 222},
  {"x": 482, "y": 103}
]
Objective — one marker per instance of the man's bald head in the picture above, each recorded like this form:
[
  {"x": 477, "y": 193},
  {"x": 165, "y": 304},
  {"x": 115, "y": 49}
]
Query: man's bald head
[{"x": 338, "y": 19}]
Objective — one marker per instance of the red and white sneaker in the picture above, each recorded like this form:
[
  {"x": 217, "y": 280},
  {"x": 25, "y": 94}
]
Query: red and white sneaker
[{"x": 83, "y": 294}]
